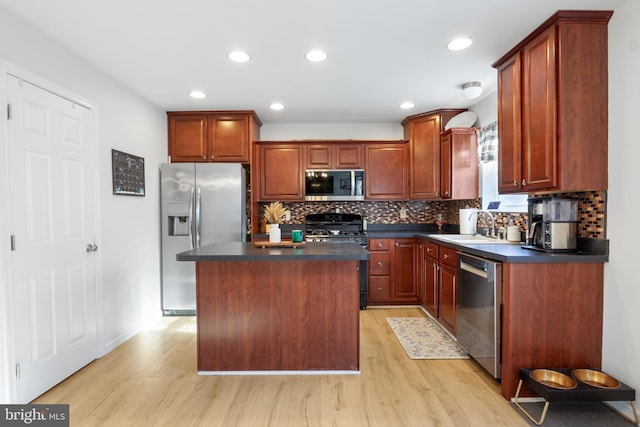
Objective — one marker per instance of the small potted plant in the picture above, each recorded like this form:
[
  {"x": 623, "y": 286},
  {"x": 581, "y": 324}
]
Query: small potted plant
[{"x": 274, "y": 213}]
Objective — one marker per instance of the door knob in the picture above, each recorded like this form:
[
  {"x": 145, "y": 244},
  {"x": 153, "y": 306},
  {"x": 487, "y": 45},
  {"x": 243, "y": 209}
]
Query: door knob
[{"x": 92, "y": 247}]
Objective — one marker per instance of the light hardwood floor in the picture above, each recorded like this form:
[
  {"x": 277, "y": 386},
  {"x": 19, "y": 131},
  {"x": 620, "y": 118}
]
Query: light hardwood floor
[{"x": 151, "y": 380}]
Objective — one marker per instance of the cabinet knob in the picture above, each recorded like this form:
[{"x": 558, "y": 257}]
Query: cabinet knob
[
  {"x": 524, "y": 182},
  {"x": 379, "y": 244},
  {"x": 446, "y": 193},
  {"x": 212, "y": 157},
  {"x": 397, "y": 244},
  {"x": 428, "y": 250},
  {"x": 515, "y": 183},
  {"x": 379, "y": 263},
  {"x": 420, "y": 245},
  {"x": 204, "y": 157},
  {"x": 446, "y": 256},
  {"x": 379, "y": 289}
]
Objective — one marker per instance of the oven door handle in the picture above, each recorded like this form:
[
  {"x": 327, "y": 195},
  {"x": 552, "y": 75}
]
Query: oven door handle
[{"x": 474, "y": 270}]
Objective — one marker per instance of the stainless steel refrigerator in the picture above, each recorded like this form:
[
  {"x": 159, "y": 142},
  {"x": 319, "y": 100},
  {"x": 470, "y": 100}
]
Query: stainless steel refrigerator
[{"x": 202, "y": 203}]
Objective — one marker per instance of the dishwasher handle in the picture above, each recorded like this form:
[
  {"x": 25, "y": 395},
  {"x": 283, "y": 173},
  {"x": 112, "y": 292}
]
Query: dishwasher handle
[{"x": 474, "y": 270}]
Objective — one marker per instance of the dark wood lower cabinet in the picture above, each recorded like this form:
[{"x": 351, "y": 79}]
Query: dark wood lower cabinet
[
  {"x": 392, "y": 272},
  {"x": 551, "y": 317}
]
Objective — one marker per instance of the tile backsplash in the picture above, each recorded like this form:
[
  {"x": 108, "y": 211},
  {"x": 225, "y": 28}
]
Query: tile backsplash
[{"x": 591, "y": 212}]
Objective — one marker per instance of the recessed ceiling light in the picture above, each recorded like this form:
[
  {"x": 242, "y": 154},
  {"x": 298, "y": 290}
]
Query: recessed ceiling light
[
  {"x": 316, "y": 55},
  {"x": 239, "y": 56},
  {"x": 276, "y": 106},
  {"x": 406, "y": 105},
  {"x": 198, "y": 94},
  {"x": 459, "y": 43}
]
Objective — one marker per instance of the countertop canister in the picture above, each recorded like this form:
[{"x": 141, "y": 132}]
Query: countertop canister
[{"x": 468, "y": 219}]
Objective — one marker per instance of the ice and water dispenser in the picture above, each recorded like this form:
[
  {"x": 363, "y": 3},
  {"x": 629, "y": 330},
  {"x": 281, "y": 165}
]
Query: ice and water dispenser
[
  {"x": 553, "y": 224},
  {"x": 178, "y": 217}
]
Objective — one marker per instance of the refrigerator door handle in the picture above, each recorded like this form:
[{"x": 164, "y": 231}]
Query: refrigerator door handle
[
  {"x": 191, "y": 241},
  {"x": 198, "y": 200}
]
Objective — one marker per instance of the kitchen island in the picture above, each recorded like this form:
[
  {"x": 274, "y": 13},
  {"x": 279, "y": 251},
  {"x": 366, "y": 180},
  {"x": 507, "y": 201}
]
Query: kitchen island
[{"x": 277, "y": 309}]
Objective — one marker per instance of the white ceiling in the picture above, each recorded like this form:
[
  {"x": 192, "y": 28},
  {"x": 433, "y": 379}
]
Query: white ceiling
[{"x": 380, "y": 52}]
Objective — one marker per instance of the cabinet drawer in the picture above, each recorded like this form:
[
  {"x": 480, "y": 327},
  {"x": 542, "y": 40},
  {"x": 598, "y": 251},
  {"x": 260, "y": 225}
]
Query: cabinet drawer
[
  {"x": 379, "y": 288},
  {"x": 380, "y": 264},
  {"x": 448, "y": 257},
  {"x": 379, "y": 244},
  {"x": 431, "y": 250}
]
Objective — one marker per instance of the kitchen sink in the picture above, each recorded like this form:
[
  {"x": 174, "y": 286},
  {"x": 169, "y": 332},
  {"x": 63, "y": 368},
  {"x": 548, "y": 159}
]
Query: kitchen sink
[{"x": 474, "y": 239}]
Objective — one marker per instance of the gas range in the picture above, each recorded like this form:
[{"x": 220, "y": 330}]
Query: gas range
[
  {"x": 335, "y": 228},
  {"x": 339, "y": 228}
]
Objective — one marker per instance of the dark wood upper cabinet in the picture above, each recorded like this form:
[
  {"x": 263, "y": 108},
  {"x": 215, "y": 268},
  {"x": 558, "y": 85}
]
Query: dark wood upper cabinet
[
  {"x": 334, "y": 156},
  {"x": 387, "y": 171},
  {"x": 280, "y": 172},
  {"x": 212, "y": 136},
  {"x": 553, "y": 106},
  {"x": 423, "y": 133},
  {"x": 459, "y": 164}
]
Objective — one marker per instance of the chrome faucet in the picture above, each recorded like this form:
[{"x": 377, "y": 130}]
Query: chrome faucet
[{"x": 492, "y": 231}]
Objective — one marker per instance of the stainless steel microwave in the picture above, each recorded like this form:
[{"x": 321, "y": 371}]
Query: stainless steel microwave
[{"x": 334, "y": 185}]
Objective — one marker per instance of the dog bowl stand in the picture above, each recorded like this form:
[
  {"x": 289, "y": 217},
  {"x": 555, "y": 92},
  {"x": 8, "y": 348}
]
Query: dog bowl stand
[{"x": 582, "y": 392}]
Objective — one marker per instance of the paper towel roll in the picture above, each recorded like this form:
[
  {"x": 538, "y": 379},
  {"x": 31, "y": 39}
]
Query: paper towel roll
[{"x": 468, "y": 221}]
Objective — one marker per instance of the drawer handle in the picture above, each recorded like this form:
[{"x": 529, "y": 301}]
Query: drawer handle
[{"x": 379, "y": 289}]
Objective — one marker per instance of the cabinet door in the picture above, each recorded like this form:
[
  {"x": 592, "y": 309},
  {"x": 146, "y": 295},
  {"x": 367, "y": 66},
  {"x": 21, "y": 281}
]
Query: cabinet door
[
  {"x": 448, "y": 298},
  {"x": 281, "y": 174},
  {"x": 404, "y": 272},
  {"x": 424, "y": 137},
  {"x": 539, "y": 140},
  {"x": 229, "y": 138},
  {"x": 387, "y": 172},
  {"x": 187, "y": 138},
  {"x": 348, "y": 156},
  {"x": 420, "y": 271},
  {"x": 318, "y": 157},
  {"x": 431, "y": 280},
  {"x": 509, "y": 126},
  {"x": 445, "y": 166}
]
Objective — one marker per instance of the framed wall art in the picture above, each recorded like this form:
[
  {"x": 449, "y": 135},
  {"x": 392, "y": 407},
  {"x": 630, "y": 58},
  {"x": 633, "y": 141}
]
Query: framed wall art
[{"x": 128, "y": 174}]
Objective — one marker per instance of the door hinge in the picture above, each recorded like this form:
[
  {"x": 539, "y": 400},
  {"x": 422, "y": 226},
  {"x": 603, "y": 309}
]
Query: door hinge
[
  {"x": 17, "y": 371},
  {"x": 13, "y": 242},
  {"x": 8, "y": 111}
]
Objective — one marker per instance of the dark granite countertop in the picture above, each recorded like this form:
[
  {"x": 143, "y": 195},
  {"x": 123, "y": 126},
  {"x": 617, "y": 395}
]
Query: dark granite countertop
[
  {"x": 590, "y": 250},
  {"x": 237, "y": 251}
]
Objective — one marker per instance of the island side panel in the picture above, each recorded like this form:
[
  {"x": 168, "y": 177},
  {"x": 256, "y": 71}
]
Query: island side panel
[
  {"x": 552, "y": 318},
  {"x": 336, "y": 332},
  {"x": 261, "y": 315}
]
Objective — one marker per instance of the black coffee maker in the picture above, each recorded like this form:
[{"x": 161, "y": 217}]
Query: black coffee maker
[{"x": 553, "y": 224}]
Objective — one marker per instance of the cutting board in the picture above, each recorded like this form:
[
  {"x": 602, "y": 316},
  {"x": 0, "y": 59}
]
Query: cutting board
[{"x": 283, "y": 244}]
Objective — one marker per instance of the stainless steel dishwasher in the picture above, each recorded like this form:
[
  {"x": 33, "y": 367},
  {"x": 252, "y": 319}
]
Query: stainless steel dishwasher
[{"x": 478, "y": 310}]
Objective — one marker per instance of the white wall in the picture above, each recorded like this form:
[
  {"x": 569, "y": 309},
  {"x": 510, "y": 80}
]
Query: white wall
[
  {"x": 621, "y": 340},
  {"x": 363, "y": 131},
  {"x": 128, "y": 256}
]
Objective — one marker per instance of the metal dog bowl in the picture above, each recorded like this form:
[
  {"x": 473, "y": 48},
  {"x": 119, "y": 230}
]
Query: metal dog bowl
[
  {"x": 595, "y": 378},
  {"x": 553, "y": 379}
]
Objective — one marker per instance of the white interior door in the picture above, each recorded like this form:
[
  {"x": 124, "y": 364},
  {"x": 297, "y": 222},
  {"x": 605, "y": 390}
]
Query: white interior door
[{"x": 52, "y": 168}]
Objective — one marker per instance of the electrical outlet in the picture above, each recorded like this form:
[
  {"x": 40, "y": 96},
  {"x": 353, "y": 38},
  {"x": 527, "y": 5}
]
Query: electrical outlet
[{"x": 403, "y": 213}]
